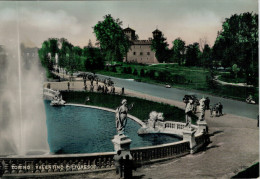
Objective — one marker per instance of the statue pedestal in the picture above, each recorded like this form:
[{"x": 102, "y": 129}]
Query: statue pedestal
[
  {"x": 189, "y": 135},
  {"x": 122, "y": 142},
  {"x": 202, "y": 126}
]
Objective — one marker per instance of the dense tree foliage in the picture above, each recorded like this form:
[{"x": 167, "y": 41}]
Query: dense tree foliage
[
  {"x": 192, "y": 55},
  {"x": 160, "y": 46},
  {"x": 237, "y": 43},
  {"x": 206, "y": 57},
  {"x": 69, "y": 57},
  {"x": 111, "y": 38},
  {"x": 178, "y": 51}
]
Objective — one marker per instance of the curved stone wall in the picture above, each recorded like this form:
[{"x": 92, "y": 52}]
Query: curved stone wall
[
  {"x": 32, "y": 165},
  {"x": 81, "y": 163}
]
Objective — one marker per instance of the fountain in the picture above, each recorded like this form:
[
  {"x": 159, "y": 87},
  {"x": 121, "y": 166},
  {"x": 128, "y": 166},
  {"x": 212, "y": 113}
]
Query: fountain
[{"x": 22, "y": 115}]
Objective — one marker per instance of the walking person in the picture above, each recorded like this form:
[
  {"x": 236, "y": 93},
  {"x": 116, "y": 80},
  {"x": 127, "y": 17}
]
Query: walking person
[
  {"x": 220, "y": 109},
  {"x": 207, "y": 102},
  {"x": 91, "y": 88},
  {"x": 123, "y": 91},
  {"x": 68, "y": 85},
  {"x": 128, "y": 167},
  {"x": 211, "y": 110}
]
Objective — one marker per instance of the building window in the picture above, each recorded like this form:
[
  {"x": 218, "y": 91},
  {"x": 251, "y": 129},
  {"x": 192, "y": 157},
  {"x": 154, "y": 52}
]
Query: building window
[
  {"x": 141, "y": 53},
  {"x": 148, "y": 53},
  {"x": 134, "y": 53}
]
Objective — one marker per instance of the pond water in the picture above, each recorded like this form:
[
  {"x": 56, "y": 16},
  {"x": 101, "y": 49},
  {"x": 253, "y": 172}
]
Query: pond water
[{"x": 74, "y": 129}]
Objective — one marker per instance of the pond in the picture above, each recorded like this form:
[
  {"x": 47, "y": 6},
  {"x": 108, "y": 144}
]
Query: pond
[{"x": 73, "y": 129}]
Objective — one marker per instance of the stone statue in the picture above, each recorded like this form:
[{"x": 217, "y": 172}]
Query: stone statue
[
  {"x": 202, "y": 108},
  {"x": 188, "y": 112},
  {"x": 121, "y": 116},
  {"x": 154, "y": 117}
]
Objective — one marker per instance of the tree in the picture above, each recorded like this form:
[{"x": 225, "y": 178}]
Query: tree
[
  {"x": 142, "y": 73},
  {"x": 235, "y": 69},
  {"x": 53, "y": 46},
  {"x": 111, "y": 38},
  {"x": 237, "y": 43},
  {"x": 93, "y": 58},
  {"x": 178, "y": 50},
  {"x": 206, "y": 60},
  {"x": 192, "y": 55},
  {"x": 160, "y": 47},
  {"x": 64, "y": 53},
  {"x": 45, "y": 56}
]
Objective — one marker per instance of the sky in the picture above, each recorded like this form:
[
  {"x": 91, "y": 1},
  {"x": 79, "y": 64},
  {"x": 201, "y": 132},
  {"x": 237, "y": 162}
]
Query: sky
[{"x": 32, "y": 22}]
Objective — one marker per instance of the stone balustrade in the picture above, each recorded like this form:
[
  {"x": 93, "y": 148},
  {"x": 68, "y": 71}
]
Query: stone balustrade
[
  {"x": 78, "y": 163},
  {"x": 165, "y": 151},
  {"x": 165, "y": 127},
  {"x": 176, "y": 125},
  {"x": 57, "y": 163}
]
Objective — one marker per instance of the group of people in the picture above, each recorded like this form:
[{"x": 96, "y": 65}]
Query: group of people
[
  {"x": 193, "y": 102},
  {"x": 217, "y": 108},
  {"x": 104, "y": 89}
]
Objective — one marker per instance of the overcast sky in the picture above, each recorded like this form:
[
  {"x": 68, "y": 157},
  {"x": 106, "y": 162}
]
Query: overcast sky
[{"x": 191, "y": 20}]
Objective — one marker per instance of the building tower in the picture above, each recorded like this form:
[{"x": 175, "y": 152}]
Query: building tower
[
  {"x": 156, "y": 33},
  {"x": 130, "y": 33}
]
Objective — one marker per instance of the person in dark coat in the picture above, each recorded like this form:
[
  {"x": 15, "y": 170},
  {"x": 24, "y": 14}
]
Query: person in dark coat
[
  {"x": 207, "y": 103},
  {"x": 128, "y": 167},
  {"x": 68, "y": 85},
  {"x": 123, "y": 91},
  {"x": 220, "y": 109}
]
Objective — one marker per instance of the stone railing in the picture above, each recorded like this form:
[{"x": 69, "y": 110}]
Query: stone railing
[
  {"x": 144, "y": 155},
  {"x": 176, "y": 125},
  {"x": 167, "y": 127},
  {"x": 57, "y": 163},
  {"x": 81, "y": 163}
]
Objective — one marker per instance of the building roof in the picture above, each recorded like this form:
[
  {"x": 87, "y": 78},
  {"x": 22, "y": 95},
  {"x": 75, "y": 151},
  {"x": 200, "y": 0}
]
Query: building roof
[
  {"x": 157, "y": 31},
  {"x": 142, "y": 42},
  {"x": 128, "y": 29}
]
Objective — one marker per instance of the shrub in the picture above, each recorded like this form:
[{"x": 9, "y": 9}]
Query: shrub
[
  {"x": 135, "y": 72},
  {"x": 142, "y": 73}
]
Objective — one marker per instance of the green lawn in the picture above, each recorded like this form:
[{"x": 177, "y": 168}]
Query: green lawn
[
  {"x": 191, "y": 78},
  {"x": 231, "y": 79},
  {"x": 176, "y": 76},
  {"x": 141, "y": 109}
]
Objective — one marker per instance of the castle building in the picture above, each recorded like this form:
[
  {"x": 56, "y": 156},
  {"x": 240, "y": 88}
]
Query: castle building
[{"x": 140, "y": 50}]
